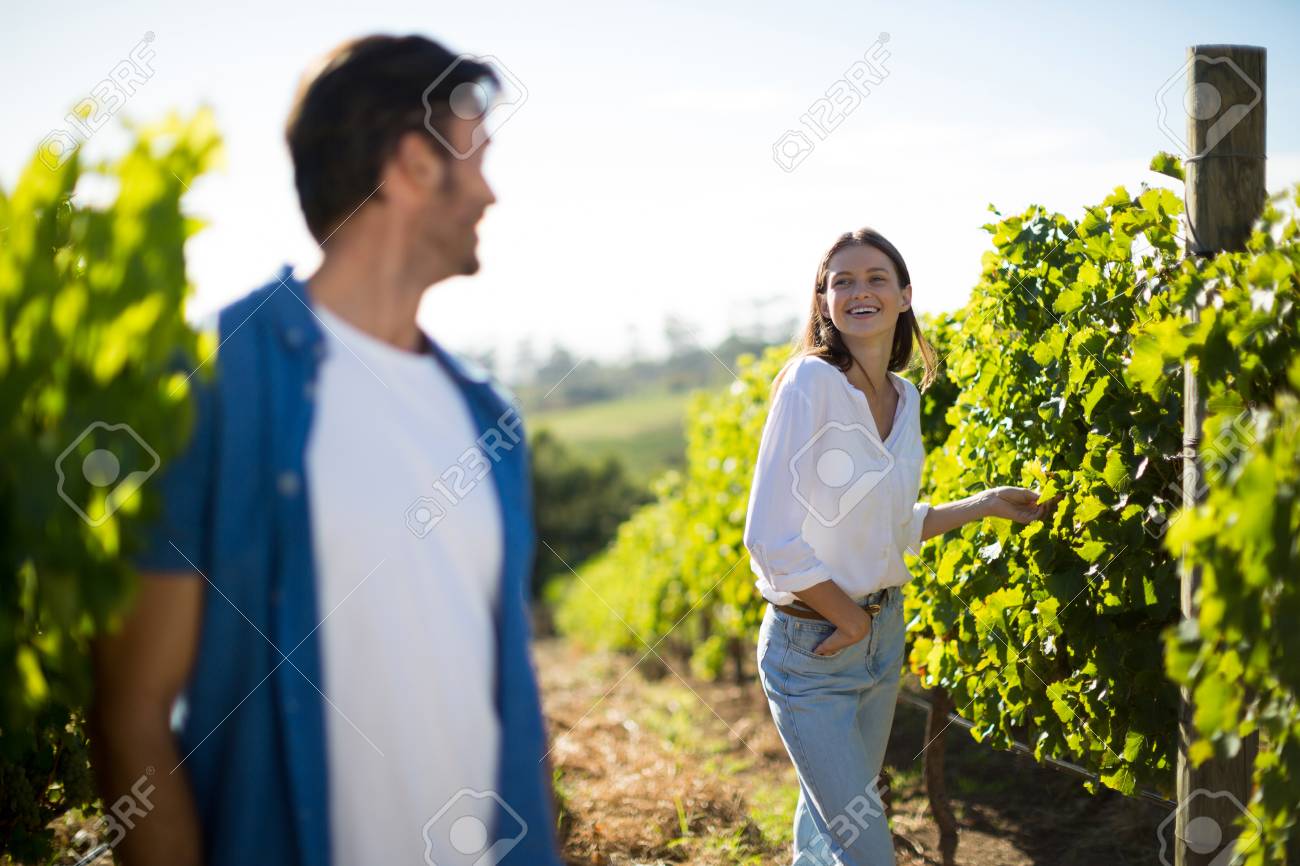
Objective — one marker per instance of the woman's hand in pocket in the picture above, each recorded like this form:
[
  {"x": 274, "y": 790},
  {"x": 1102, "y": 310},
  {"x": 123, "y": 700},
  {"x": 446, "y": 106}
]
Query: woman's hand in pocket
[
  {"x": 841, "y": 638},
  {"x": 852, "y": 623}
]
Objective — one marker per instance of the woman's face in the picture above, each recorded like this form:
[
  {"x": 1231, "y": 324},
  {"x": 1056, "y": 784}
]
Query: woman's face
[{"x": 862, "y": 296}]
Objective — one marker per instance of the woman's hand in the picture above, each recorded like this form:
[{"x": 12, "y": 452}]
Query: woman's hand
[
  {"x": 841, "y": 638},
  {"x": 1015, "y": 503},
  {"x": 852, "y": 623}
]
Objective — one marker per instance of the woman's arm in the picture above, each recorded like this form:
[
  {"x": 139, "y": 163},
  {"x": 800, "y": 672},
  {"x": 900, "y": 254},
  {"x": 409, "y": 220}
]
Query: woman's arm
[
  {"x": 852, "y": 623},
  {"x": 773, "y": 525},
  {"x": 1013, "y": 503}
]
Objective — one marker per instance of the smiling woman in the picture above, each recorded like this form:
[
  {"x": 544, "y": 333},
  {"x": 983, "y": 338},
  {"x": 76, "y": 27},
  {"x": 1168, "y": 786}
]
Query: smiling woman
[
  {"x": 865, "y": 258},
  {"x": 832, "y": 510}
]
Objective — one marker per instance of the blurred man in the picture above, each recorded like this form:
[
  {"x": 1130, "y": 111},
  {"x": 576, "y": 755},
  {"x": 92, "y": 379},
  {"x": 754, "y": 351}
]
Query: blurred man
[{"x": 337, "y": 590}]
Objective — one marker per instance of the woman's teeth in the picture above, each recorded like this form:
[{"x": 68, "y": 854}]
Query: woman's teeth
[{"x": 863, "y": 312}]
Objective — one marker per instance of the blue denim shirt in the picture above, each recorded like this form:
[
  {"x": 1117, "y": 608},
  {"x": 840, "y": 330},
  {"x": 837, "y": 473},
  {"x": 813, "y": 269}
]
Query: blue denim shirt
[{"x": 252, "y": 734}]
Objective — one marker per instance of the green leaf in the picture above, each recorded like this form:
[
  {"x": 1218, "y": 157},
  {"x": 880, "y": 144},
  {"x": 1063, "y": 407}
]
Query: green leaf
[
  {"x": 1121, "y": 779},
  {"x": 1216, "y": 702},
  {"x": 1088, "y": 509},
  {"x": 1068, "y": 301},
  {"x": 1168, "y": 165},
  {"x": 1200, "y": 751},
  {"x": 1091, "y": 551},
  {"x": 34, "y": 684},
  {"x": 1133, "y": 742},
  {"x": 1095, "y": 393},
  {"x": 1116, "y": 473}
]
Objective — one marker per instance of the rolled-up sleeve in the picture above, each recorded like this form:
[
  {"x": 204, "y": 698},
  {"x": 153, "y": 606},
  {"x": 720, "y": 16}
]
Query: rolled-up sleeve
[
  {"x": 773, "y": 524},
  {"x": 919, "y": 511}
]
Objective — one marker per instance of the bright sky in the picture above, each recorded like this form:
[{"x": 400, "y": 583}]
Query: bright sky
[{"x": 637, "y": 179}]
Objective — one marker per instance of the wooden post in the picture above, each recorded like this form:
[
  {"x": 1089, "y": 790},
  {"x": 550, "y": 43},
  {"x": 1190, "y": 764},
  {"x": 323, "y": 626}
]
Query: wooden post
[
  {"x": 1225, "y": 194},
  {"x": 935, "y": 787},
  {"x": 738, "y": 650}
]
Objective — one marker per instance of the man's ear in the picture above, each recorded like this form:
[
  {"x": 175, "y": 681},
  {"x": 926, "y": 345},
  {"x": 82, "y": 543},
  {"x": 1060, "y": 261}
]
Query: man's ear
[{"x": 414, "y": 166}]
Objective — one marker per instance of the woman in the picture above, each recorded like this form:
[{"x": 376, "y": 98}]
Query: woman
[{"x": 832, "y": 509}]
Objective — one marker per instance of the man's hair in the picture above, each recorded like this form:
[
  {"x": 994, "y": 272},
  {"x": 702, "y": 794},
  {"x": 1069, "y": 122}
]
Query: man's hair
[{"x": 349, "y": 115}]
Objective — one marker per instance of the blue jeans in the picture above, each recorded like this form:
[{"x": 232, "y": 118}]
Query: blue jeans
[{"x": 834, "y": 714}]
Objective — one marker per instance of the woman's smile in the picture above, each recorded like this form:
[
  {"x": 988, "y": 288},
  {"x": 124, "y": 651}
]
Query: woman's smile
[{"x": 863, "y": 310}]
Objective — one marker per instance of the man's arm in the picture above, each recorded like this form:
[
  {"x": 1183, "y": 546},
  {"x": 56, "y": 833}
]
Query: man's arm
[{"x": 139, "y": 671}]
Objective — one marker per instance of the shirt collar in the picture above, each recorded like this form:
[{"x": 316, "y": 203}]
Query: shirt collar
[{"x": 300, "y": 329}]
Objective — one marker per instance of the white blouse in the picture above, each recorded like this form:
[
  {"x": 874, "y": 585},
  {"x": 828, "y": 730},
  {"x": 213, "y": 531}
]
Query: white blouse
[{"x": 829, "y": 499}]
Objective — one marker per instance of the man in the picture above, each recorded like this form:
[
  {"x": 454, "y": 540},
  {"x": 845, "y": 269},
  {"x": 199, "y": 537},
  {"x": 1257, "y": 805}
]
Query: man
[{"x": 337, "y": 590}]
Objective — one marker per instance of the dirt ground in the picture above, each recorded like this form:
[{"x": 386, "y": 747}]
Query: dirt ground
[{"x": 653, "y": 766}]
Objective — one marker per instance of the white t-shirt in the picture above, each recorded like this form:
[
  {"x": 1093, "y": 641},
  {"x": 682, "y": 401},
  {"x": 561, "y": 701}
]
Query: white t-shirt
[
  {"x": 830, "y": 500},
  {"x": 407, "y": 582}
]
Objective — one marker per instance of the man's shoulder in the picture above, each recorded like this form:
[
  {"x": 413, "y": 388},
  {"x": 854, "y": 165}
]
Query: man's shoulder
[
  {"x": 263, "y": 302},
  {"x": 234, "y": 351},
  {"x": 477, "y": 377},
  {"x": 483, "y": 378}
]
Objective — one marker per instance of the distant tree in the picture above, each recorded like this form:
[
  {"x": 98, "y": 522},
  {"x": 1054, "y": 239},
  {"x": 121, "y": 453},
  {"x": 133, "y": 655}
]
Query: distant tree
[
  {"x": 634, "y": 352},
  {"x": 579, "y": 505},
  {"x": 680, "y": 336},
  {"x": 525, "y": 364},
  {"x": 557, "y": 367}
]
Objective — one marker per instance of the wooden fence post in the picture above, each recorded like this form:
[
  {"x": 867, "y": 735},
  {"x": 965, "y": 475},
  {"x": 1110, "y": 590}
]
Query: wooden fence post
[
  {"x": 1225, "y": 194},
  {"x": 936, "y": 787}
]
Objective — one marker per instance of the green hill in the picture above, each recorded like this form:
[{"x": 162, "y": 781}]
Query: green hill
[{"x": 644, "y": 430}]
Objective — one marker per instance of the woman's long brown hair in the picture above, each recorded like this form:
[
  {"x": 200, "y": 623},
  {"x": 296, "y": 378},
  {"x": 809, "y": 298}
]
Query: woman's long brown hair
[{"x": 821, "y": 339}]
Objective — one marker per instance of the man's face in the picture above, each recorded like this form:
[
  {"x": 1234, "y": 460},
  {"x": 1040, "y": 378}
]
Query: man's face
[{"x": 455, "y": 206}]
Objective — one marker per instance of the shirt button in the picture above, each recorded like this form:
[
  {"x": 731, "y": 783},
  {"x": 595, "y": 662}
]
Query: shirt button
[
  {"x": 287, "y": 484},
  {"x": 294, "y": 336}
]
